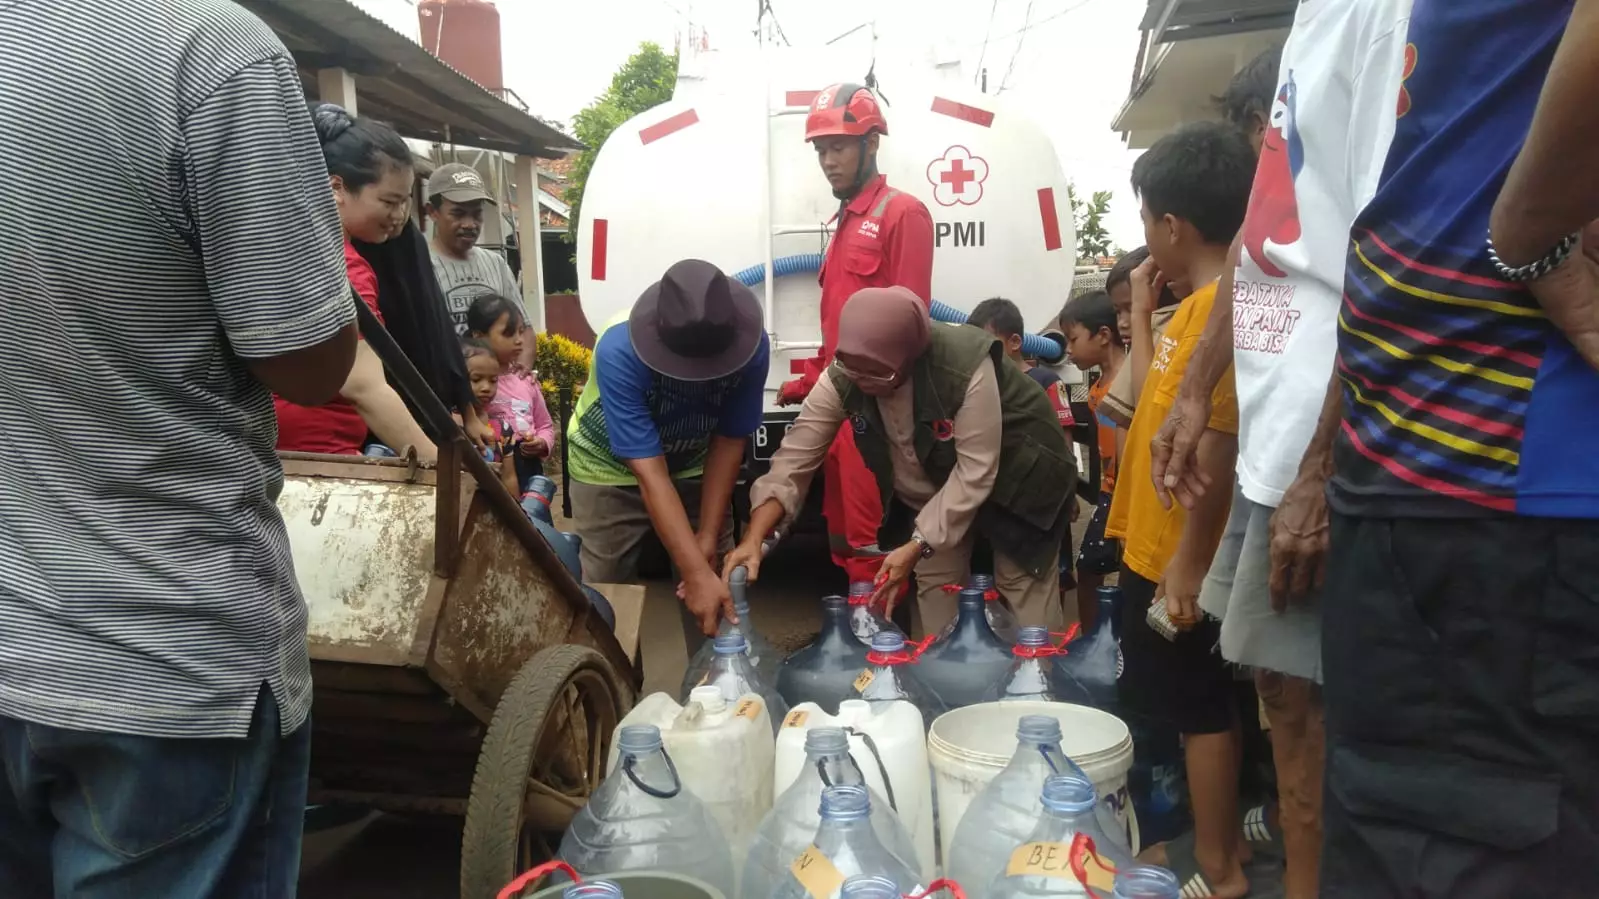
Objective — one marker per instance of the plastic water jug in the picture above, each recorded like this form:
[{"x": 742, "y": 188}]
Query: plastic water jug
[
  {"x": 567, "y": 547},
  {"x": 1029, "y": 676},
  {"x": 1146, "y": 882},
  {"x": 865, "y": 619},
  {"x": 761, "y": 654},
  {"x": 536, "y": 501},
  {"x": 889, "y": 677},
  {"x": 1086, "y": 674},
  {"x": 845, "y": 846},
  {"x": 878, "y": 887},
  {"x": 593, "y": 889},
  {"x": 962, "y": 667},
  {"x": 1008, "y": 808},
  {"x": 823, "y": 671},
  {"x": 731, "y": 672},
  {"x": 642, "y": 819},
  {"x": 1067, "y": 853},
  {"x": 723, "y": 752},
  {"x": 887, "y": 746},
  {"x": 788, "y": 829},
  {"x": 1001, "y": 617}
]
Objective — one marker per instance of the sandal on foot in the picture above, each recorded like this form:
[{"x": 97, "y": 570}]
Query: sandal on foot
[
  {"x": 1261, "y": 838},
  {"x": 1180, "y": 861}
]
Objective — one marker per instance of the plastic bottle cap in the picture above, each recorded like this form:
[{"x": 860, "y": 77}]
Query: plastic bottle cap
[
  {"x": 731, "y": 644},
  {"x": 826, "y": 740},
  {"x": 846, "y": 803},
  {"x": 869, "y": 886},
  {"x": 709, "y": 698},
  {"x": 1038, "y": 729},
  {"x": 739, "y": 577},
  {"x": 639, "y": 738},
  {"x": 1068, "y": 794},
  {"x": 984, "y": 582},
  {"x": 834, "y": 603},
  {"x": 853, "y": 710},
  {"x": 861, "y": 588}
]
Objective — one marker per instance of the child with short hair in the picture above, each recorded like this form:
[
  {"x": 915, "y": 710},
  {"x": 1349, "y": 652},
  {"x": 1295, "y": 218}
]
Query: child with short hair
[
  {"x": 517, "y": 406},
  {"x": 1194, "y": 188},
  {"x": 1093, "y": 340},
  {"x": 1121, "y": 393}
]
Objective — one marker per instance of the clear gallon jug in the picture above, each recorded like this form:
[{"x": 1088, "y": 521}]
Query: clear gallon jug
[
  {"x": 731, "y": 672},
  {"x": 890, "y": 676},
  {"x": 1029, "y": 676},
  {"x": 762, "y": 656},
  {"x": 1066, "y": 854},
  {"x": 1008, "y": 808},
  {"x": 723, "y": 752},
  {"x": 887, "y": 746},
  {"x": 788, "y": 829},
  {"x": 964, "y": 666},
  {"x": 641, "y": 819},
  {"x": 865, "y": 619},
  {"x": 997, "y": 609},
  {"x": 845, "y": 846},
  {"x": 823, "y": 671}
]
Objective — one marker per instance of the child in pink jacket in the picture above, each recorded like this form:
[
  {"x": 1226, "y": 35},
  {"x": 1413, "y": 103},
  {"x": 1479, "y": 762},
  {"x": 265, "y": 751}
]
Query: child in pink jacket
[{"x": 518, "y": 407}]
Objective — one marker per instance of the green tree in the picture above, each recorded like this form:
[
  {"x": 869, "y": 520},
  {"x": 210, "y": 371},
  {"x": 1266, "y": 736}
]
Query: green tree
[
  {"x": 1093, "y": 240},
  {"x": 643, "y": 82}
]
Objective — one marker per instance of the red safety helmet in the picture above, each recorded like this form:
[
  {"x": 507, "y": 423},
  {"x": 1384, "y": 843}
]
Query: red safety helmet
[{"x": 844, "y": 109}]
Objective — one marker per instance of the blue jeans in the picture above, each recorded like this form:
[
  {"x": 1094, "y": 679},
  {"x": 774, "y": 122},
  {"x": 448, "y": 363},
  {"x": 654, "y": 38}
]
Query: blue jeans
[{"x": 107, "y": 816}]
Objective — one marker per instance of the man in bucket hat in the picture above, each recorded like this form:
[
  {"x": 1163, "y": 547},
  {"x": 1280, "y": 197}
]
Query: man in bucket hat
[{"x": 674, "y": 390}]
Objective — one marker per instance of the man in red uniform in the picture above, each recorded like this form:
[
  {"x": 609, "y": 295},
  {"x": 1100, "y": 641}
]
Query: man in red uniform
[{"x": 884, "y": 238}]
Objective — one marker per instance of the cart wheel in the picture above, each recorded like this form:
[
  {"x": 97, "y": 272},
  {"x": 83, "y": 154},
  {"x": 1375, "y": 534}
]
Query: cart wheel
[{"x": 544, "y": 754}]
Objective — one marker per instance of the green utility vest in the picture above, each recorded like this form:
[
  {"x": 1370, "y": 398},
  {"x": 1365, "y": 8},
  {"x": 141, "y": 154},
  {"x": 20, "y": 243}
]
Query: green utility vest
[{"x": 1028, "y": 512}]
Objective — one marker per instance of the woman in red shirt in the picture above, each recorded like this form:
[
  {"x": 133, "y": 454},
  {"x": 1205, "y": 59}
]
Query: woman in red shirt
[{"x": 370, "y": 171}]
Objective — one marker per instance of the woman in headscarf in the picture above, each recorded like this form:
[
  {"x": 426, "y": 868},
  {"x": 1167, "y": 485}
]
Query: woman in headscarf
[{"x": 961, "y": 441}]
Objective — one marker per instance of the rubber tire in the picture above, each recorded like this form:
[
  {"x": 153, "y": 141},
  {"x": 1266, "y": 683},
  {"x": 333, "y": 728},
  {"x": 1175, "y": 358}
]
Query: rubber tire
[{"x": 489, "y": 841}]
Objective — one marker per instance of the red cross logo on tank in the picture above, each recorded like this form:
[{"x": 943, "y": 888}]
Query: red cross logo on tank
[{"x": 957, "y": 178}]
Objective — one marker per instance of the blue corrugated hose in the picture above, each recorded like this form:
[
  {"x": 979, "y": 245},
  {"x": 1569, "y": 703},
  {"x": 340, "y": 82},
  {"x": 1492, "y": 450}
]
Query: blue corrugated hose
[{"x": 1032, "y": 344}]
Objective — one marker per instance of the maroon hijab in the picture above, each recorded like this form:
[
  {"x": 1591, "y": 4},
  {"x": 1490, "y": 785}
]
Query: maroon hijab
[{"x": 887, "y": 325}]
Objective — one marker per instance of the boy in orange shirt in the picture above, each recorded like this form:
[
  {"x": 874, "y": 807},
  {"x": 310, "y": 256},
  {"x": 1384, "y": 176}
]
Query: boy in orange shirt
[
  {"x": 1094, "y": 340},
  {"x": 1194, "y": 186}
]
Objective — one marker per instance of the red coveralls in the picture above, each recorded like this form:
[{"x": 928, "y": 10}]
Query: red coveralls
[{"x": 884, "y": 239}]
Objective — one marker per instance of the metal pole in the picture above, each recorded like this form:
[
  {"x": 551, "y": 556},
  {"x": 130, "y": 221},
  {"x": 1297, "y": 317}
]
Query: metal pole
[{"x": 563, "y": 397}]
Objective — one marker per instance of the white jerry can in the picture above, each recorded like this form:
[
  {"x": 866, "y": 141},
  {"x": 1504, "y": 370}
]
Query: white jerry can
[{"x": 723, "y": 173}]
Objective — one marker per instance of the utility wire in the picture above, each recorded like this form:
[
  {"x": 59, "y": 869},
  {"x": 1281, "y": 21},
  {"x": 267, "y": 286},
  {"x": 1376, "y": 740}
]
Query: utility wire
[
  {"x": 1010, "y": 67},
  {"x": 1044, "y": 21},
  {"x": 986, "y": 33}
]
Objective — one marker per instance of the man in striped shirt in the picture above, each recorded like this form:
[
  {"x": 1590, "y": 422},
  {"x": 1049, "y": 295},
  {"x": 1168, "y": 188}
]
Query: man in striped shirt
[{"x": 154, "y": 681}]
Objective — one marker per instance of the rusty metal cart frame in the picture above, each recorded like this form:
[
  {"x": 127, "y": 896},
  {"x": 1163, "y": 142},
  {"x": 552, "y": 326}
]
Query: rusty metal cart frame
[{"x": 458, "y": 666}]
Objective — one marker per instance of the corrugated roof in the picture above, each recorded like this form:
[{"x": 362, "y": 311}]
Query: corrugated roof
[{"x": 401, "y": 83}]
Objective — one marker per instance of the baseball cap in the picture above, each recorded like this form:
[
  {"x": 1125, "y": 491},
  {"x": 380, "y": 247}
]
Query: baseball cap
[{"x": 458, "y": 183}]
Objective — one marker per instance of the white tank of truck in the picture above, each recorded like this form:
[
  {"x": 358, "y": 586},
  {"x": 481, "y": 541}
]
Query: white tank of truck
[{"x": 722, "y": 172}]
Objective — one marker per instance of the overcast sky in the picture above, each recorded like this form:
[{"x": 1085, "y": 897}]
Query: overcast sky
[{"x": 1070, "y": 69}]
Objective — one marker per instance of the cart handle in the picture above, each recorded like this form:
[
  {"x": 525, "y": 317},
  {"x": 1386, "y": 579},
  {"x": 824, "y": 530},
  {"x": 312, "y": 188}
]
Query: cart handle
[{"x": 515, "y": 887}]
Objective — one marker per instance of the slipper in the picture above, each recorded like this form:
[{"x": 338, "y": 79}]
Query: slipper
[
  {"x": 1259, "y": 835},
  {"x": 1180, "y": 861}
]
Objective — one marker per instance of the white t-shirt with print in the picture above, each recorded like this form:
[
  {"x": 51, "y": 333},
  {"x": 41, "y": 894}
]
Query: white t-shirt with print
[{"x": 1331, "y": 124}]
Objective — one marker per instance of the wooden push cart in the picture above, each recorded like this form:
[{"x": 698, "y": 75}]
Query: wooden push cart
[{"x": 458, "y": 667}]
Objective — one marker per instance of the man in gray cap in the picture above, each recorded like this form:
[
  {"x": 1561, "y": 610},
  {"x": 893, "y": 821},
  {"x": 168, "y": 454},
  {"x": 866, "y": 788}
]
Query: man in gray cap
[{"x": 456, "y": 201}]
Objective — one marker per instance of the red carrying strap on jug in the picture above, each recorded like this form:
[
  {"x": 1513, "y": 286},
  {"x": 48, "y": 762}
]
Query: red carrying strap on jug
[
  {"x": 945, "y": 883},
  {"x": 1047, "y": 650},
  {"x": 908, "y": 656},
  {"x": 515, "y": 887},
  {"x": 989, "y": 595}
]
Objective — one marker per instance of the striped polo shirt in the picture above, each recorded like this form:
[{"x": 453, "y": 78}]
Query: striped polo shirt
[
  {"x": 168, "y": 218},
  {"x": 1460, "y": 397}
]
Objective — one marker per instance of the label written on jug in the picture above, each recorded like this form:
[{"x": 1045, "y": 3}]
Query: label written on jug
[
  {"x": 816, "y": 873},
  {"x": 1076, "y": 861},
  {"x": 748, "y": 708},
  {"x": 864, "y": 681},
  {"x": 796, "y": 718}
]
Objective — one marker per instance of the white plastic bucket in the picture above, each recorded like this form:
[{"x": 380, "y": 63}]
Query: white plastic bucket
[{"x": 968, "y": 747}]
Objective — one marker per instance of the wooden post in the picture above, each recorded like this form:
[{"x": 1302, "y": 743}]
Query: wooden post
[
  {"x": 529, "y": 240},
  {"x": 337, "y": 86}
]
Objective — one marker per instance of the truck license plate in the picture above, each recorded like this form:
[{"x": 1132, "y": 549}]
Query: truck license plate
[{"x": 767, "y": 437}]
